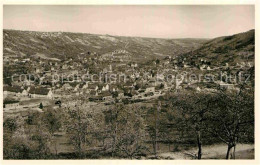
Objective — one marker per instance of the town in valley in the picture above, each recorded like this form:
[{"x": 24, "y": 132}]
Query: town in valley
[{"x": 69, "y": 95}]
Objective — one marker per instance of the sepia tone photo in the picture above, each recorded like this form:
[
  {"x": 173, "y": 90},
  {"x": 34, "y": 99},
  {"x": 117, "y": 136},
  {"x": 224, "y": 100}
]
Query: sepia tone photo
[{"x": 131, "y": 82}]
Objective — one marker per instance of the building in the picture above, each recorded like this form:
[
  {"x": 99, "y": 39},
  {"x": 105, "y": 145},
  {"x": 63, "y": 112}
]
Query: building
[
  {"x": 107, "y": 96},
  {"x": 40, "y": 92},
  {"x": 25, "y": 92},
  {"x": 92, "y": 87},
  {"x": 150, "y": 89},
  {"x": 105, "y": 88},
  {"x": 12, "y": 90}
]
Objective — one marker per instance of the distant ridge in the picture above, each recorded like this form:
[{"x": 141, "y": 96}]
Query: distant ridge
[{"x": 59, "y": 44}]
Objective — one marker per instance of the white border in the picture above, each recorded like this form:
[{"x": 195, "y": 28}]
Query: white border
[{"x": 139, "y": 2}]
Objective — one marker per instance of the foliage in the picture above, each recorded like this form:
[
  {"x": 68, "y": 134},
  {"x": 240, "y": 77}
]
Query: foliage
[
  {"x": 41, "y": 106},
  {"x": 126, "y": 130}
]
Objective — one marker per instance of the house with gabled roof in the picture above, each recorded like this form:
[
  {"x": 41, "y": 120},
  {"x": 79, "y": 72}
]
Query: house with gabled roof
[
  {"x": 107, "y": 96},
  {"x": 85, "y": 86},
  {"x": 40, "y": 92},
  {"x": 25, "y": 91},
  {"x": 113, "y": 88},
  {"x": 15, "y": 90},
  {"x": 66, "y": 86},
  {"x": 92, "y": 87},
  {"x": 105, "y": 87},
  {"x": 150, "y": 89}
]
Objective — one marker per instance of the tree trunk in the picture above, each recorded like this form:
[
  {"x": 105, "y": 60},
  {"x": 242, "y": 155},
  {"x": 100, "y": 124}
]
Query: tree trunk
[
  {"x": 154, "y": 148},
  {"x": 199, "y": 145},
  {"x": 156, "y": 127},
  {"x": 113, "y": 147},
  {"x": 228, "y": 151},
  {"x": 234, "y": 152},
  {"x": 56, "y": 149}
]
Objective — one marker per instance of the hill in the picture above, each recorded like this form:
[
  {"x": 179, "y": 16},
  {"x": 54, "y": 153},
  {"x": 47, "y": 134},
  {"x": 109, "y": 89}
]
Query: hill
[
  {"x": 228, "y": 49},
  {"x": 61, "y": 45}
]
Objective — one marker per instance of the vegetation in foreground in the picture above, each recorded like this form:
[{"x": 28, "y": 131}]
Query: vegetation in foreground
[{"x": 135, "y": 132}]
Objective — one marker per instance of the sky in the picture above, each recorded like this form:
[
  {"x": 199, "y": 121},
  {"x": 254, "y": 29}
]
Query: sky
[{"x": 172, "y": 21}]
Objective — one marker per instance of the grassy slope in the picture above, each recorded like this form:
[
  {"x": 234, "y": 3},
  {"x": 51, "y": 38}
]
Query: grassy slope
[
  {"x": 229, "y": 49},
  {"x": 59, "y": 44}
]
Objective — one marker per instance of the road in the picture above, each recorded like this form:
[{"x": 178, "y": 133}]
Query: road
[{"x": 217, "y": 151}]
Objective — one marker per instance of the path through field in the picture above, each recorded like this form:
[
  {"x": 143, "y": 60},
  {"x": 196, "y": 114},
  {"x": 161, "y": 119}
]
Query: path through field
[{"x": 218, "y": 151}]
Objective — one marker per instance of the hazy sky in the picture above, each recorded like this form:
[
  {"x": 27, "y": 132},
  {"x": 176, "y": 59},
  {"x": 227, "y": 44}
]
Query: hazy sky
[{"x": 146, "y": 21}]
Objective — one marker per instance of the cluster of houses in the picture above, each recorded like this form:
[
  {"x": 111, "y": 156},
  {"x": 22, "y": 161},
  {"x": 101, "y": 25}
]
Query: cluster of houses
[
  {"x": 109, "y": 92},
  {"x": 30, "y": 92},
  {"x": 145, "y": 80},
  {"x": 95, "y": 92},
  {"x": 21, "y": 93},
  {"x": 117, "y": 55}
]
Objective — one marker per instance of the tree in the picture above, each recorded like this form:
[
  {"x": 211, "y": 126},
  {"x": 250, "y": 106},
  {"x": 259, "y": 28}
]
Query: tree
[
  {"x": 7, "y": 79},
  {"x": 191, "y": 116},
  {"x": 41, "y": 106},
  {"x": 137, "y": 86},
  {"x": 77, "y": 128},
  {"x": 153, "y": 126},
  {"x": 132, "y": 137},
  {"x": 126, "y": 128},
  {"x": 161, "y": 86},
  {"x": 82, "y": 126},
  {"x": 23, "y": 142},
  {"x": 52, "y": 120},
  {"x": 115, "y": 94},
  {"x": 111, "y": 120},
  {"x": 157, "y": 61},
  {"x": 10, "y": 124},
  {"x": 14, "y": 133},
  {"x": 232, "y": 118}
]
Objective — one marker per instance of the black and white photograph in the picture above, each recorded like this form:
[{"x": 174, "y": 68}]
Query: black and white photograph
[{"x": 128, "y": 82}]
